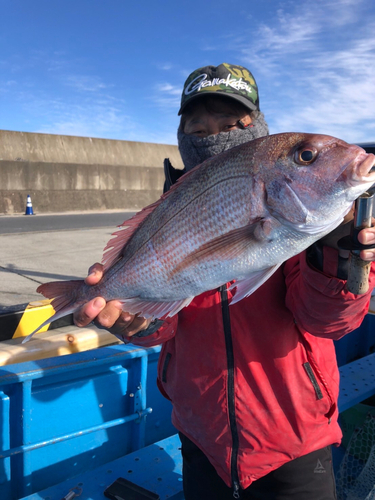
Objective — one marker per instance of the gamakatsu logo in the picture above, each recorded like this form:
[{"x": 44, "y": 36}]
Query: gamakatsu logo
[{"x": 201, "y": 81}]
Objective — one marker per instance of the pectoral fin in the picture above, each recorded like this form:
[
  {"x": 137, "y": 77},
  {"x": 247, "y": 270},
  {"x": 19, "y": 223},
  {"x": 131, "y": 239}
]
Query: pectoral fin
[
  {"x": 231, "y": 245},
  {"x": 245, "y": 287},
  {"x": 152, "y": 309}
]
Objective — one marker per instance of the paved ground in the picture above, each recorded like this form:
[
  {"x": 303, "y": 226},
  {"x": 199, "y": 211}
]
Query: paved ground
[
  {"x": 56, "y": 222},
  {"x": 28, "y": 258}
]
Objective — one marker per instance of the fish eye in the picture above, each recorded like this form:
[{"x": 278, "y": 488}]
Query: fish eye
[{"x": 305, "y": 156}]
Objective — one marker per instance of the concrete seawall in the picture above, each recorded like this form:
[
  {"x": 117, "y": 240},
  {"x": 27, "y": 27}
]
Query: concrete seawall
[{"x": 66, "y": 173}]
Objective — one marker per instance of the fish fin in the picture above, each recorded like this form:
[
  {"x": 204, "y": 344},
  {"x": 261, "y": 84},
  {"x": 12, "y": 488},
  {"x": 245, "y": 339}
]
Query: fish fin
[
  {"x": 245, "y": 287},
  {"x": 63, "y": 295},
  {"x": 229, "y": 245},
  {"x": 152, "y": 309},
  {"x": 60, "y": 292},
  {"x": 54, "y": 317},
  {"x": 113, "y": 250}
]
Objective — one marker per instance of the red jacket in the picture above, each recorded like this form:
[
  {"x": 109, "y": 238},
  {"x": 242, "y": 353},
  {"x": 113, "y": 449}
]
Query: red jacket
[{"x": 265, "y": 393}]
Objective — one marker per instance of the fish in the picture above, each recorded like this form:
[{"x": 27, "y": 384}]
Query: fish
[{"x": 235, "y": 219}]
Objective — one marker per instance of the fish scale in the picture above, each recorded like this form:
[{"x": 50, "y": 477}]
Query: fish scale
[{"x": 236, "y": 217}]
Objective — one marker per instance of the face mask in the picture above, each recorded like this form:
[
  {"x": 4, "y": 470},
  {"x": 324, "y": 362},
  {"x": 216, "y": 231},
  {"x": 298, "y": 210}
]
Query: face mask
[{"x": 195, "y": 150}]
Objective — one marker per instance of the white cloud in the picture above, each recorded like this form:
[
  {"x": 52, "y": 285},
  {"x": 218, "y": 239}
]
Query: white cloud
[
  {"x": 85, "y": 83},
  {"x": 167, "y": 97},
  {"x": 169, "y": 89},
  {"x": 289, "y": 33},
  {"x": 314, "y": 69}
]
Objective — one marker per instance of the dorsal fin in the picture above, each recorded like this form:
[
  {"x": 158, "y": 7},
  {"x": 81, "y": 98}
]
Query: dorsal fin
[{"x": 113, "y": 250}]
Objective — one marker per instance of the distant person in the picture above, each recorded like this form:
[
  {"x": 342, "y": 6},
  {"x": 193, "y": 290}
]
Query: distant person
[{"x": 254, "y": 386}]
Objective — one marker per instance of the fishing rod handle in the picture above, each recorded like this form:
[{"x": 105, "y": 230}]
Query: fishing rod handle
[{"x": 359, "y": 270}]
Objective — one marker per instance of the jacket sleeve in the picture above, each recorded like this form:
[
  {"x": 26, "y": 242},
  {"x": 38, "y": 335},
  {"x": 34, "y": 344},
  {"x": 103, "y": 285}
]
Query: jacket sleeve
[
  {"x": 319, "y": 301},
  {"x": 165, "y": 330}
]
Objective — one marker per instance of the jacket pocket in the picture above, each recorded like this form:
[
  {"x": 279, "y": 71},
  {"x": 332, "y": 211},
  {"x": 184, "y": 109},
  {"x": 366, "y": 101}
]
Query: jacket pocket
[
  {"x": 322, "y": 390},
  {"x": 313, "y": 380}
]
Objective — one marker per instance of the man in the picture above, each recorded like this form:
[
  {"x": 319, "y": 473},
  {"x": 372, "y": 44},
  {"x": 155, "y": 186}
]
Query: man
[{"x": 254, "y": 386}]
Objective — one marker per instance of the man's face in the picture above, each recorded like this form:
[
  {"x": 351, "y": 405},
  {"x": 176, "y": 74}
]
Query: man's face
[{"x": 202, "y": 123}]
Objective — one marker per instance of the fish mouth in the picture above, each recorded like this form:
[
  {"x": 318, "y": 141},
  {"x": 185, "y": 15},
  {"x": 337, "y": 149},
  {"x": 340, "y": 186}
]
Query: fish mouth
[{"x": 364, "y": 169}]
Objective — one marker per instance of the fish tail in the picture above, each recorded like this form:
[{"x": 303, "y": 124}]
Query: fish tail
[
  {"x": 63, "y": 295},
  {"x": 61, "y": 292}
]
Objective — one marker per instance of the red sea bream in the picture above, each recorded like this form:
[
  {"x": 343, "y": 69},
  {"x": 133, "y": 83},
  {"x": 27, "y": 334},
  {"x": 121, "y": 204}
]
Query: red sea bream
[{"x": 236, "y": 217}]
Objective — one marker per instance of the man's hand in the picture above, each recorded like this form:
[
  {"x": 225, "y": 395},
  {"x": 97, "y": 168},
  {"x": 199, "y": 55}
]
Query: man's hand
[
  {"x": 367, "y": 237},
  {"x": 108, "y": 315}
]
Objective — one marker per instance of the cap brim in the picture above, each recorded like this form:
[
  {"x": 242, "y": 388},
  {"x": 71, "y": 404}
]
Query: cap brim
[{"x": 243, "y": 100}]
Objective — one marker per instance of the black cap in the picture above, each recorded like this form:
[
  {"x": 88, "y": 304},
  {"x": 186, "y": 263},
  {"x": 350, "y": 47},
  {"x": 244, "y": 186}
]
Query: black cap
[{"x": 231, "y": 81}]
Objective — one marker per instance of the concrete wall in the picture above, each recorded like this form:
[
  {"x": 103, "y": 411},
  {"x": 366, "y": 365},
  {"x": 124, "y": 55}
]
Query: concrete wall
[{"x": 66, "y": 173}]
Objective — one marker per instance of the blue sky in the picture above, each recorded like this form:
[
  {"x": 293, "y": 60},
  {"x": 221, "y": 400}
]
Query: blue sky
[{"x": 115, "y": 68}]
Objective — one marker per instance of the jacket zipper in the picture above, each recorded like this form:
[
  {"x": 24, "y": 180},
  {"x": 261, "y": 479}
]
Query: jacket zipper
[
  {"x": 230, "y": 389},
  {"x": 314, "y": 366},
  {"x": 165, "y": 367},
  {"x": 311, "y": 375}
]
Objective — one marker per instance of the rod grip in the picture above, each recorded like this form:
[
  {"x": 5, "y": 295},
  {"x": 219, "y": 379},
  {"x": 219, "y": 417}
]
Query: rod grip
[{"x": 358, "y": 275}]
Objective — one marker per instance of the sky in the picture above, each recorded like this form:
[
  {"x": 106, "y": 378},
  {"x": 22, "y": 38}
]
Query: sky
[{"x": 115, "y": 69}]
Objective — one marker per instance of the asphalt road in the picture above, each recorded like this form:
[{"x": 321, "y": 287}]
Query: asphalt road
[
  {"x": 35, "y": 249},
  {"x": 58, "y": 222}
]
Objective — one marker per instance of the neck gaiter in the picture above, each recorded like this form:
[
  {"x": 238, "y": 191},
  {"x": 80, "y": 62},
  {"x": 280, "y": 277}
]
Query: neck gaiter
[{"x": 195, "y": 150}]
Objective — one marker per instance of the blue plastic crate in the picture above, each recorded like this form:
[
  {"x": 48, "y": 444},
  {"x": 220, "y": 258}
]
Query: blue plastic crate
[{"x": 62, "y": 416}]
